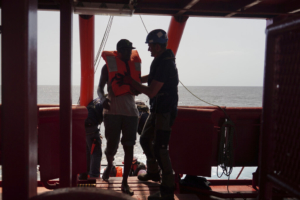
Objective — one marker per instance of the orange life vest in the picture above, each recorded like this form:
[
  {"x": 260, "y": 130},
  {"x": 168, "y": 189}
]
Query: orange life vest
[
  {"x": 119, "y": 171},
  {"x": 115, "y": 65}
]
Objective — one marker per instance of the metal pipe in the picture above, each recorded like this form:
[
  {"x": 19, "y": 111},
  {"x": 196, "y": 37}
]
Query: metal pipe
[
  {"x": 175, "y": 32},
  {"x": 141, "y": 10},
  {"x": 86, "y": 28},
  {"x": 19, "y": 99},
  {"x": 240, "y": 173},
  {"x": 65, "y": 93}
]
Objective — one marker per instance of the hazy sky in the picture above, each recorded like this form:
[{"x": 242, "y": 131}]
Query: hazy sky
[{"x": 212, "y": 52}]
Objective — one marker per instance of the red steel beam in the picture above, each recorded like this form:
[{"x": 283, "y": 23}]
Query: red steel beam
[
  {"x": 245, "y": 7},
  {"x": 19, "y": 99},
  {"x": 188, "y": 6},
  {"x": 65, "y": 93},
  {"x": 175, "y": 32},
  {"x": 86, "y": 28}
]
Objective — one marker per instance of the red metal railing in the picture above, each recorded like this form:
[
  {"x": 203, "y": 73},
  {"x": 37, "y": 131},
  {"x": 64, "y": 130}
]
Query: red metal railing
[{"x": 49, "y": 141}]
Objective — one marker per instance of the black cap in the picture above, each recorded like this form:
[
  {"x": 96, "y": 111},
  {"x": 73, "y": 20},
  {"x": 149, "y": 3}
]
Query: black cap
[{"x": 123, "y": 43}]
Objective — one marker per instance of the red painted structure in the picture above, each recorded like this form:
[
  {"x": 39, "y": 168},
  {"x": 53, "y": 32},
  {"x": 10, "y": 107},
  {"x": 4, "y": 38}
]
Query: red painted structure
[
  {"x": 86, "y": 28},
  {"x": 19, "y": 99},
  {"x": 196, "y": 131},
  {"x": 193, "y": 133},
  {"x": 65, "y": 93},
  {"x": 48, "y": 132},
  {"x": 176, "y": 28}
]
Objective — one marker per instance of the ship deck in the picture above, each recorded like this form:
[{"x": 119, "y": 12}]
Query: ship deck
[{"x": 143, "y": 189}]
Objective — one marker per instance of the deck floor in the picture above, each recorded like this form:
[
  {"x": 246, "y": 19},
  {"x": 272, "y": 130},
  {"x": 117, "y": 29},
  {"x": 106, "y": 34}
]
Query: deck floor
[{"x": 143, "y": 189}]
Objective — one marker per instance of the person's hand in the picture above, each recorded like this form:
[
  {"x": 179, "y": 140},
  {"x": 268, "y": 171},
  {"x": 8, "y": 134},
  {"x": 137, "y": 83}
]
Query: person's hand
[
  {"x": 134, "y": 91},
  {"x": 123, "y": 79},
  {"x": 106, "y": 104}
]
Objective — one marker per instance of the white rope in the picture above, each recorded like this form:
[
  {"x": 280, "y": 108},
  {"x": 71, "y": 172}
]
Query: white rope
[{"x": 103, "y": 43}]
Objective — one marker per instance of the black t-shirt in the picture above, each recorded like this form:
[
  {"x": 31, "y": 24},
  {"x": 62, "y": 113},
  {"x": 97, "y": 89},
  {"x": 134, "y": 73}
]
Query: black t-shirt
[{"x": 163, "y": 69}]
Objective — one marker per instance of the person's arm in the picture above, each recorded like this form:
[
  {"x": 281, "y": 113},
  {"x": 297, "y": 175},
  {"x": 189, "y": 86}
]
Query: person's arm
[
  {"x": 144, "y": 79},
  {"x": 100, "y": 89},
  {"x": 150, "y": 91}
]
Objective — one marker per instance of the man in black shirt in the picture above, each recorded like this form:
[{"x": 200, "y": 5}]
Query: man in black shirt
[{"x": 162, "y": 90}]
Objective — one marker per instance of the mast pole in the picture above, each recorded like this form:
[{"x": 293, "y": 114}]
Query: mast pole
[
  {"x": 86, "y": 27},
  {"x": 176, "y": 28},
  {"x": 65, "y": 93}
]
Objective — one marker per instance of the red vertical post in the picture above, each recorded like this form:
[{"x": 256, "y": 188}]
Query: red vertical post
[
  {"x": 19, "y": 99},
  {"x": 175, "y": 32},
  {"x": 86, "y": 27},
  {"x": 65, "y": 93}
]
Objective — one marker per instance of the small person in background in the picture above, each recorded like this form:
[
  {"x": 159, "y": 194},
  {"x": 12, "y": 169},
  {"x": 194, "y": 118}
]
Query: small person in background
[
  {"x": 93, "y": 140},
  {"x": 137, "y": 167}
]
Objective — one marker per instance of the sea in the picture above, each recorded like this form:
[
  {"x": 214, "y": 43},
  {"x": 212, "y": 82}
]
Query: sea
[{"x": 217, "y": 95}]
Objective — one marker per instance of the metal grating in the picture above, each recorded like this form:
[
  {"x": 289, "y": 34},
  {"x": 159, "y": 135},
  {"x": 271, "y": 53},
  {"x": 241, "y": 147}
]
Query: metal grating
[{"x": 286, "y": 106}]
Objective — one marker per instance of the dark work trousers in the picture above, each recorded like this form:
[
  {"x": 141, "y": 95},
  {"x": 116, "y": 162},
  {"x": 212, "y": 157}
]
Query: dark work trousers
[
  {"x": 155, "y": 143},
  {"x": 93, "y": 160}
]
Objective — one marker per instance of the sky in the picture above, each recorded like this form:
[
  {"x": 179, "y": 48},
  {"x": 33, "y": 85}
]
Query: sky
[{"x": 212, "y": 52}]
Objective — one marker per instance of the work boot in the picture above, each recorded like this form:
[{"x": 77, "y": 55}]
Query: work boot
[
  {"x": 126, "y": 189},
  {"x": 165, "y": 193},
  {"x": 149, "y": 176},
  {"x": 105, "y": 175}
]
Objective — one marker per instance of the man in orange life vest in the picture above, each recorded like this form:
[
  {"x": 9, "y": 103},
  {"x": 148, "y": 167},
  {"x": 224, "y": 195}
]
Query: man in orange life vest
[
  {"x": 119, "y": 108},
  {"x": 163, "y": 93}
]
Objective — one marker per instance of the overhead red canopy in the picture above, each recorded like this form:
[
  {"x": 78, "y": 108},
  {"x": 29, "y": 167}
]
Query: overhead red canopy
[{"x": 206, "y": 8}]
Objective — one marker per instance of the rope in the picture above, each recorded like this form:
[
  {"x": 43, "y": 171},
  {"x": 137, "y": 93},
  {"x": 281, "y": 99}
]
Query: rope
[
  {"x": 103, "y": 43},
  {"x": 144, "y": 24},
  {"x": 205, "y": 101},
  {"x": 225, "y": 154}
]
